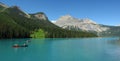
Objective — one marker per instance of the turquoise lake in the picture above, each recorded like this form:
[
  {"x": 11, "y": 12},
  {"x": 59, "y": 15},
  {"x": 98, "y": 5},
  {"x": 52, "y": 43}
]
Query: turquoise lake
[{"x": 61, "y": 49}]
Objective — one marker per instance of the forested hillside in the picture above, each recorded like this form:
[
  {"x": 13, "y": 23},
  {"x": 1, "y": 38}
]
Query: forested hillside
[{"x": 15, "y": 23}]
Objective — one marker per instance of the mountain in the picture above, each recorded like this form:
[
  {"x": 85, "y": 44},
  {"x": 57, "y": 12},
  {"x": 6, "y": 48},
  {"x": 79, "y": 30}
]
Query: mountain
[
  {"x": 15, "y": 23},
  {"x": 113, "y": 31},
  {"x": 9, "y": 28},
  {"x": 3, "y": 6},
  {"x": 15, "y": 10},
  {"x": 86, "y": 24}
]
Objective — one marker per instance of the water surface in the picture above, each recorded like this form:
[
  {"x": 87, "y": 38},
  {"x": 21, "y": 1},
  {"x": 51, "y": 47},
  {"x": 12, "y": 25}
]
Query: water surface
[{"x": 61, "y": 49}]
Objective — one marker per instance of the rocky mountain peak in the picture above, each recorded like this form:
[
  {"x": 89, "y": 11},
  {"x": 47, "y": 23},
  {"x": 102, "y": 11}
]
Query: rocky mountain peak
[
  {"x": 3, "y": 5},
  {"x": 15, "y": 7},
  {"x": 85, "y": 24},
  {"x": 41, "y": 16},
  {"x": 87, "y": 20},
  {"x": 66, "y": 17},
  {"x": 17, "y": 10},
  {"x": 69, "y": 18}
]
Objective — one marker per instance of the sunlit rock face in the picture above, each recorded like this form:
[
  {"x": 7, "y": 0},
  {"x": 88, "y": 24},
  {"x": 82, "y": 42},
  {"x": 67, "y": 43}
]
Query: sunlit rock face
[
  {"x": 3, "y": 5},
  {"x": 41, "y": 16},
  {"x": 85, "y": 24}
]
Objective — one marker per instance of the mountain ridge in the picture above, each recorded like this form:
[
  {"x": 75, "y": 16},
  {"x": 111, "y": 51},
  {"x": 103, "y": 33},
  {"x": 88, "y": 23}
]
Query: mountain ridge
[
  {"x": 83, "y": 24},
  {"x": 15, "y": 23},
  {"x": 86, "y": 24}
]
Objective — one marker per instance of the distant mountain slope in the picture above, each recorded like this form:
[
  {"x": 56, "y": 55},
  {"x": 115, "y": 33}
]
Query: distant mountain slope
[
  {"x": 16, "y": 23},
  {"x": 71, "y": 23},
  {"x": 113, "y": 31},
  {"x": 80, "y": 24}
]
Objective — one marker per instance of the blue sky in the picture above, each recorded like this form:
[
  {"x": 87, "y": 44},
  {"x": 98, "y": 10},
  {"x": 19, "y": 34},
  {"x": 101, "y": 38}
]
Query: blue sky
[{"x": 101, "y": 11}]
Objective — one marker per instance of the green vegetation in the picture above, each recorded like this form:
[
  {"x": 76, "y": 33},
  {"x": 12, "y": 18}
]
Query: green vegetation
[
  {"x": 9, "y": 29},
  {"x": 14, "y": 23},
  {"x": 38, "y": 34}
]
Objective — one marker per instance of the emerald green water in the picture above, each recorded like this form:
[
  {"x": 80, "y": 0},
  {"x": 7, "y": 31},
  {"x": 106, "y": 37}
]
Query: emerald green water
[{"x": 60, "y": 49}]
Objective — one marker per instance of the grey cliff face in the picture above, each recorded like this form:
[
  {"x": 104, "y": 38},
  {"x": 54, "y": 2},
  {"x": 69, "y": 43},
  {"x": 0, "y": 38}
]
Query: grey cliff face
[
  {"x": 41, "y": 16},
  {"x": 83, "y": 24}
]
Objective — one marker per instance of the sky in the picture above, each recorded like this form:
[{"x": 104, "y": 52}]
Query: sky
[{"x": 105, "y": 12}]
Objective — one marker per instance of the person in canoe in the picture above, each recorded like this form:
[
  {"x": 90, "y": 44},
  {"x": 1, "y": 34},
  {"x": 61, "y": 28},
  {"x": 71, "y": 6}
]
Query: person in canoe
[
  {"x": 24, "y": 45},
  {"x": 16, "y": 45}
]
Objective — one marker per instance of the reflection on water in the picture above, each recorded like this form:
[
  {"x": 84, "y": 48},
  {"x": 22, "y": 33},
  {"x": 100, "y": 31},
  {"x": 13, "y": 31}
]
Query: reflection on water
[
  {"x": 116, "y": 41},
  {"x": 61, "y": 49}
]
